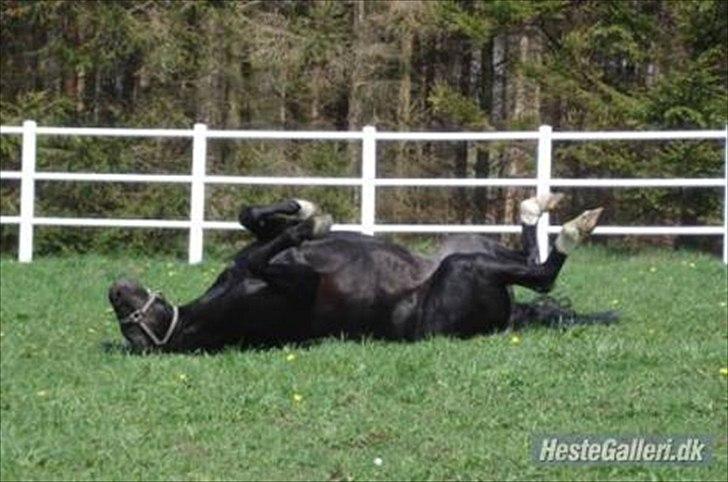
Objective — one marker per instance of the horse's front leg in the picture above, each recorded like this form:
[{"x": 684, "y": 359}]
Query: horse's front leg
[
  {"x": 259, "y": 254},
  {"x": 293, "y": 282},
  {"x": 267, "y": 222},
  {"x": 297, "y": 282}
]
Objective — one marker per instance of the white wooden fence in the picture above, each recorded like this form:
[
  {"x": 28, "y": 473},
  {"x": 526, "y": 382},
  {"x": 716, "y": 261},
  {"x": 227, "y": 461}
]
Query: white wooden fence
[{"x": 368, "y": 182}]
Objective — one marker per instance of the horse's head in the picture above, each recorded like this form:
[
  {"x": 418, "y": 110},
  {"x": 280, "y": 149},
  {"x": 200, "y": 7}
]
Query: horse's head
[{"x": 146, "y": 319}]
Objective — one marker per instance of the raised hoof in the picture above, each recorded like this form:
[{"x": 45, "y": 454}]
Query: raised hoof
[
  {"x": 576, "y": 230},
  {"x": 322, "y": 225},
  {"x": 306, "y": 209},
  {"x": 549, "y": 201},
  {"x": 533, "y": 207},
  {"x": 317, "y": 226},
  {"x": 585, "y": 222}
]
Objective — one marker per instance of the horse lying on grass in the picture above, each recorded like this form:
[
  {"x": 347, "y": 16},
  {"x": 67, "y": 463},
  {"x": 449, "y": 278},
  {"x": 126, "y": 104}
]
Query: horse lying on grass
[{"x": 299, "y": 281}]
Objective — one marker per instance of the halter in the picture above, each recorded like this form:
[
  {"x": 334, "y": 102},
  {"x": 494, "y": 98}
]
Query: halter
[{"x": 136, "y": 317}]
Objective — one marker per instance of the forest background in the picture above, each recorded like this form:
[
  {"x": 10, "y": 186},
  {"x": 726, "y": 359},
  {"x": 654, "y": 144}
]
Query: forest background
[{"x": 340, "y": 65}]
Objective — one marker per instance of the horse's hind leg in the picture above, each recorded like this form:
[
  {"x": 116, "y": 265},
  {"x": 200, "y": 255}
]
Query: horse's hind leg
[
  {"x": 267, "y": 222},
  {"x": 462, "y": 297},
  {"x": 530, "y": 212},
  {"x": 541, "y": 277}
]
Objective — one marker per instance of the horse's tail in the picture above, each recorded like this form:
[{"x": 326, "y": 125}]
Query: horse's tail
[{"x": 556, "y": 313}]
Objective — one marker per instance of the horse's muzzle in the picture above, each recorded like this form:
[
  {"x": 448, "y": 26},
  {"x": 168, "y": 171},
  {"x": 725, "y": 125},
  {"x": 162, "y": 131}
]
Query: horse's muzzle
[{"x": 124, "y": 295}]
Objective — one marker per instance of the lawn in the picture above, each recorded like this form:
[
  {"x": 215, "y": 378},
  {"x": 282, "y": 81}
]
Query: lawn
[{"x": 73, "y": 408}]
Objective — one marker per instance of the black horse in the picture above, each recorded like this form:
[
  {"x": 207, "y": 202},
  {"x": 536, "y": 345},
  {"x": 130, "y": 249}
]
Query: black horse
[{"x": 299, "y": 281}]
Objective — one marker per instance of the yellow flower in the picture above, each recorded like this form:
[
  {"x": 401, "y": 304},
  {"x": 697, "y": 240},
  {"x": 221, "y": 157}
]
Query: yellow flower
[
  {"x": 297, "y": 398},
  {"x": 42, "y": 393},
  {"x": 290, "y": 357},
  {"x": 515, "y": 340},
  {"x": 724, "y": 371},
  {"x": 182, "y": 377}
]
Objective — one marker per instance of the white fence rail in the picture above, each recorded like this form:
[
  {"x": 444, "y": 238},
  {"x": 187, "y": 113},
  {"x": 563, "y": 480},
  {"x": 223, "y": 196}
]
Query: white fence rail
[{"x": 367, "y": 182}]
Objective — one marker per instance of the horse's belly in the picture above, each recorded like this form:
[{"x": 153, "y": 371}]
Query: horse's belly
[{"x": 342, "y": 306}]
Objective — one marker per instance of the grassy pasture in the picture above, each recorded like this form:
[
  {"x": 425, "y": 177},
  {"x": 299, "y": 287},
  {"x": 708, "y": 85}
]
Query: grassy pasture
[{"x": 440, "y": 409}]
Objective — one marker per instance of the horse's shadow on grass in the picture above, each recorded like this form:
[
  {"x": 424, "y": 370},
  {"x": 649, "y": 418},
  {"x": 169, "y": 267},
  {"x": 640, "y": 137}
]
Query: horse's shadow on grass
[
  {"x": 123, "y": 348},
  {"x": 544, "y": 311},
  {"x": 117, "y": 348}
]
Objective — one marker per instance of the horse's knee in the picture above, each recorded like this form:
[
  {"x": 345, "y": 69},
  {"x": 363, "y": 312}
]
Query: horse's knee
[
  {"x": 314, "y": 227},
  {"x": 248, "y": 217}
]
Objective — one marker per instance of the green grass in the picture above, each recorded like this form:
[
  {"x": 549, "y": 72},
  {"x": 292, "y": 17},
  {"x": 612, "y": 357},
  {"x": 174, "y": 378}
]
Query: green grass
[{"x": 440, "y": 409}]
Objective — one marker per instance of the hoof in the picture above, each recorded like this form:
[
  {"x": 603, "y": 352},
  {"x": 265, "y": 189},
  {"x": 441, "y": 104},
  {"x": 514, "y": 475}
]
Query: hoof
[
  {"x": 549, "y": 201},
  {"x": 306, "y": 209},
  {"x": 321, "y": 225},
  {"x": 576, "y": 230},
  {"x": 315, "y": 227},
  {"x": 533, "y": 207},
  {"x": 585, "y": 222}
]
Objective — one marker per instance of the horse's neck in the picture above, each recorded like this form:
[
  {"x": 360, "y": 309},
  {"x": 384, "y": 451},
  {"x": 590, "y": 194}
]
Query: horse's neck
[
  {"x": 193, "y": 331},
  {"x": 203, "y": 321}
]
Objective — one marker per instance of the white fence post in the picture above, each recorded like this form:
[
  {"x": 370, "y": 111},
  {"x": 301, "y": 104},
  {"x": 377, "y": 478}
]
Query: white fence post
[
  {"x": 27, "y": 193},
  {"x": 543, "y": 186},
  {"x": 725, "y": 199},
  {"x": 368, "y": 175},
  {"x": 197, "y": 193}
]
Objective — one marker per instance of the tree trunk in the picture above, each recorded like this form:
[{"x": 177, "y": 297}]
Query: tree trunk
[
  {"x": 521, "y": 107},
  {"x": 404, "y": 106},
  {"x": 477, "y": 157},
  {"x": 404, "y": 112},
  {"x": 357, "y": 81},
  {"x": 463, "y": 149},
  {"x": 515, "y": 157}
]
